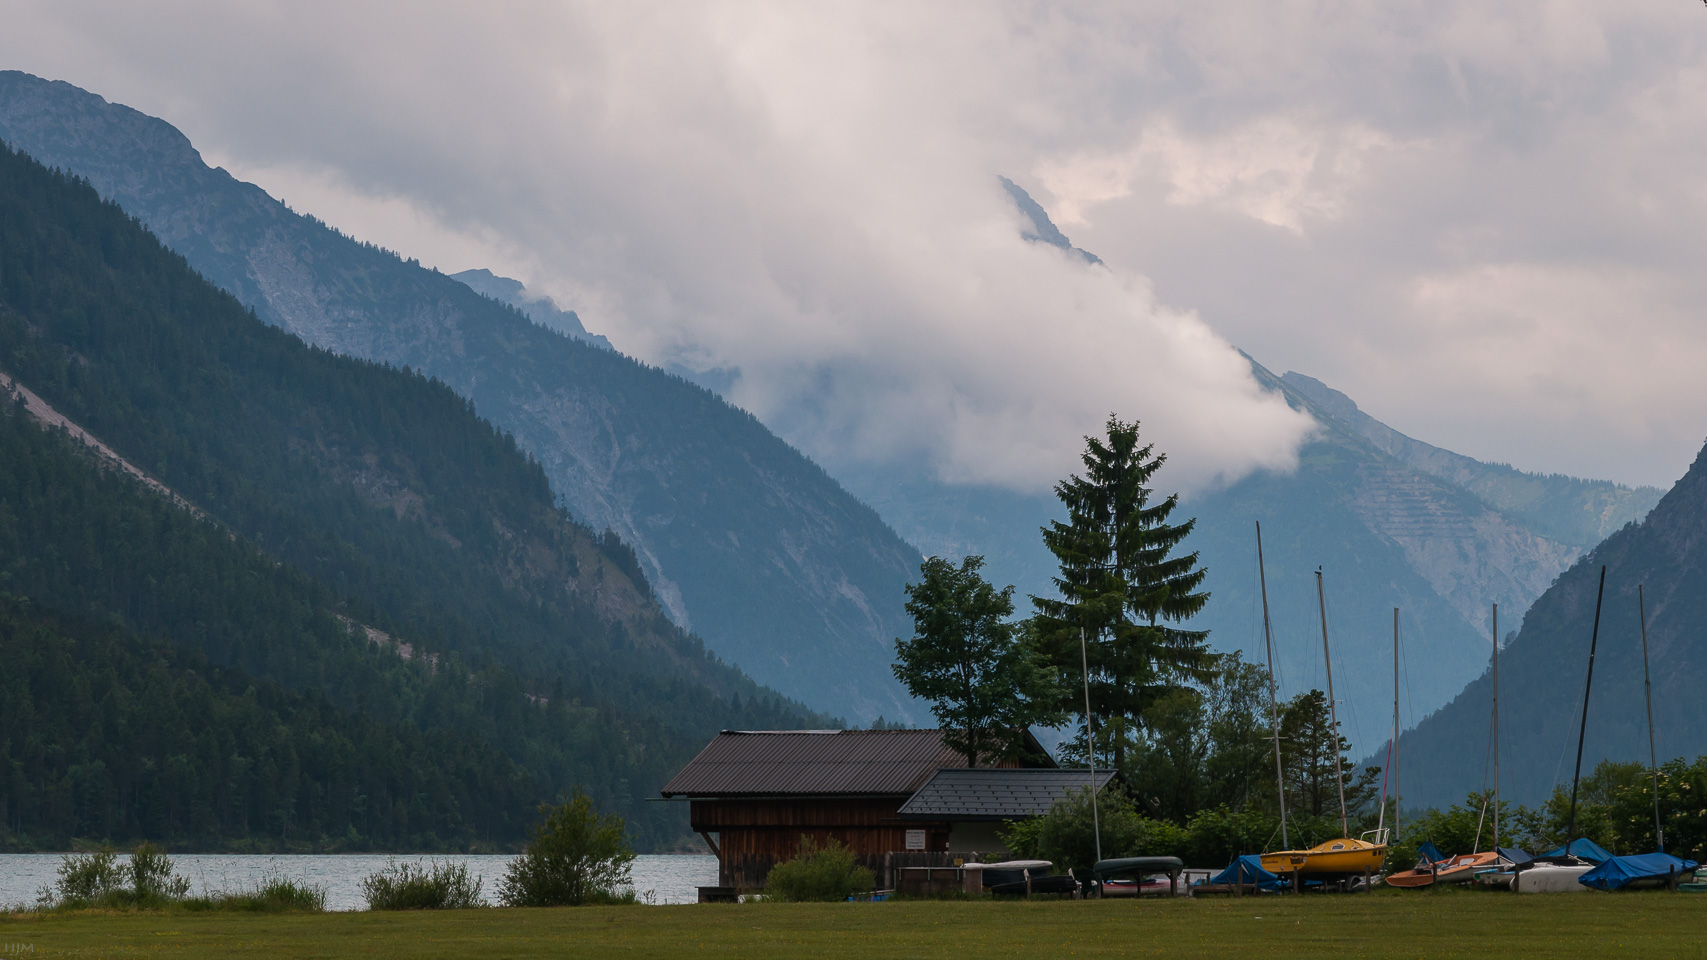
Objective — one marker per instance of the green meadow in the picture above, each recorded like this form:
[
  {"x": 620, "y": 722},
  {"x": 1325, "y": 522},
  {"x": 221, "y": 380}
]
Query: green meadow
[{"x": 1381, "y": 925}]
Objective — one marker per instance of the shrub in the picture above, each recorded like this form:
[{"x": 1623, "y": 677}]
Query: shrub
[
  {"x": 86, "y": 877},
  {"x": 1066, "y": 835},
  {"x": 152, "y": 877},
  {"x": 818, "y": 873},
  {"x": 414, "y": 886},
  {"x": 578, "y": 856},
  {"x": 98, "y": 879}
]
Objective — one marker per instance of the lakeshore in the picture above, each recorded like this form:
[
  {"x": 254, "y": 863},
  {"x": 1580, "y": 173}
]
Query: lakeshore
[
  {"x": 1384, "y": 924},
  {"x": 657, "y": 878}
]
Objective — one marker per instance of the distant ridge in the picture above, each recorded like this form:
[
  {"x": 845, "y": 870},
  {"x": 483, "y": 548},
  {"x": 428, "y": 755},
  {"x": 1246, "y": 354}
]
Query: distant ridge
[{"x": 541, "y": 310}]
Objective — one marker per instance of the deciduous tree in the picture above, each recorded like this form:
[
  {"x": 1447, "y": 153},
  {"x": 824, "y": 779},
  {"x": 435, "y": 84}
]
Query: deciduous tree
[{"x": 984, "y": 682}]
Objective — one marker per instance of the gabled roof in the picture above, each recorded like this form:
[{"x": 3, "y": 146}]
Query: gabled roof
[
  {"x": 814, "y": 763},
  {"x": 999, "y": 794}
]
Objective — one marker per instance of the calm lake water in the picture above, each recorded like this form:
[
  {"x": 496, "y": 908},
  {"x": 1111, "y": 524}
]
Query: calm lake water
[{"x": 667, "y": 879}]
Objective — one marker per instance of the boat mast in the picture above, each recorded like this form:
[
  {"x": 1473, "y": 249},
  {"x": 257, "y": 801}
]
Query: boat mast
[
  {"x": 1333, "y": 715},
  {"x": 1273, "y": 697},
  {"x": 1648, "y": 690},
  {"x": 1393, "y": 759},
  {"x": 1090, "y": 744},
  {"x": 1594, "y": 638},
  {"x": 1496, "y": 728}
]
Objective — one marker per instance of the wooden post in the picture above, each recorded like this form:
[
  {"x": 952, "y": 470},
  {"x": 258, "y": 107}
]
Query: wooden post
[{"x": 1296, "y": 886}]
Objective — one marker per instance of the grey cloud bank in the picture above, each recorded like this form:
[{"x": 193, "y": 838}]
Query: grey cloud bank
[{"x": 1479, "y": 220}]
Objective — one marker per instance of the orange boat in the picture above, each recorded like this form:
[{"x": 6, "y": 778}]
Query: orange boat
[{"x": 1461, "y": 869}]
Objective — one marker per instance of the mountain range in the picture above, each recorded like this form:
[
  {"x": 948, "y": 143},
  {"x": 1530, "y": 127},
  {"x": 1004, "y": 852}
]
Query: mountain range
[
  {"x": 258, "y": 593},
  {"x": 774, "y": 563},
  {"x": 744, "y": 541},
  {"x": 1659, "y": 563}
]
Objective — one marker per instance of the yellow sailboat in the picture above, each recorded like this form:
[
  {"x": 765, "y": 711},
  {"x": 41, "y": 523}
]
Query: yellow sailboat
[{"x": 1343, "y": 856}]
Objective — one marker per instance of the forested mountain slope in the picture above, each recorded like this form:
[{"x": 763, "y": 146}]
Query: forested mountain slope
[
  {"x": 1543, "y": 670},
  {"x": 337, "y": 503},
  {"x": 745, "y": 541},
  {"x": 1393, "y": 522}
]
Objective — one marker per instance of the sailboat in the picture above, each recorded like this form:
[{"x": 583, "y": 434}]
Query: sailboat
[
  {"x": 1343, "y": 857},
  {"x": 1559, "y": 871},
  {"x": 1649, "y": 869}
]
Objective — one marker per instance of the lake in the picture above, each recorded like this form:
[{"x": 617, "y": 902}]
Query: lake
[{"x": 657, "y": 879}]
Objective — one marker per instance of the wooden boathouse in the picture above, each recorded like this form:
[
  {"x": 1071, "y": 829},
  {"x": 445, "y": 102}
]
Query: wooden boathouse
[{"x": 753, "y": 794}]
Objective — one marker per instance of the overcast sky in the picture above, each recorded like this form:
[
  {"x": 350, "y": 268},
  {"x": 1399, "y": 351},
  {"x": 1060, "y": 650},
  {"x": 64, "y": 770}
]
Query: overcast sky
[{"x": 1483, "y": 221}]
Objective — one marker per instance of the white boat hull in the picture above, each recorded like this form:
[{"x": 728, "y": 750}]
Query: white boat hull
[{"x": 1551, "y": 879}]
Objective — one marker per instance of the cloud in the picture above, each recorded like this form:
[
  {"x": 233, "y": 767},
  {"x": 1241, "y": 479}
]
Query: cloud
[
  {"x": 1383, "y": 195},
  {"x": 1274, "y": 169}
]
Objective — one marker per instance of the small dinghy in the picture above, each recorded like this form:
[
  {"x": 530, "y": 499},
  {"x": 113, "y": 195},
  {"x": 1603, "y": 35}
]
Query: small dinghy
[
  {"x": 1504, "y": 870},
  {"x": 1551, "y": 875},
  {"x": 1459, "y": 869}
]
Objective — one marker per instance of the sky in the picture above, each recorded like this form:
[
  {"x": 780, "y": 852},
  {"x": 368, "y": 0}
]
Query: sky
[{"x": 1483, "y": 221}]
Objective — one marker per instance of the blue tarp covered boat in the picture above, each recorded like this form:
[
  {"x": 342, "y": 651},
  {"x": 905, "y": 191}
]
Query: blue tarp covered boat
[
  {"x": 1583, "y": 849},
  {"x": 1516, "y": 855},
  {"x": 1247, "y": 870},
  {"x": 1641, "y": 870}
]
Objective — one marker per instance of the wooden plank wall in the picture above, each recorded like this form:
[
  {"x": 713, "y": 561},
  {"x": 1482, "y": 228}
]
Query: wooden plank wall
[{"x": 755, "y": 835}]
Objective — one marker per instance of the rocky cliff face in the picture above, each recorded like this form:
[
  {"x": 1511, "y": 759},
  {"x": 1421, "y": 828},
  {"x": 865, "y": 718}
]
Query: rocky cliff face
[
  {"x": 1577, "y": 512},
  {"x": 745, "y": 541},
  {"x": 1543, "y": 670}
]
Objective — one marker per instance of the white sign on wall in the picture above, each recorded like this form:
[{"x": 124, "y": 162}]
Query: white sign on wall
[{"x": 915, "y": 839}]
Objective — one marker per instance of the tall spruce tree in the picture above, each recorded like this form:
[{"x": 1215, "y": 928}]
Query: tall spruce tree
[{"x": 1121, "y": 584}]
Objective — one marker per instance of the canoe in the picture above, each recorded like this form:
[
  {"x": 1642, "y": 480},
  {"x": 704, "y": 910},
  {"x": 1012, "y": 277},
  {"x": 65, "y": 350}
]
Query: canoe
[
  {"x": 1136, "y": 867},
  {"x": 1013, "y": 871},
  {"x": 1342, "y": 857},
  {"x": 1057, "y": 885}
]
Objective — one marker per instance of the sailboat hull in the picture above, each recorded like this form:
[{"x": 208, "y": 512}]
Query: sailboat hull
[
  {"x": 1548, "y": 878},
  {"x": 1343, "y": 857}
]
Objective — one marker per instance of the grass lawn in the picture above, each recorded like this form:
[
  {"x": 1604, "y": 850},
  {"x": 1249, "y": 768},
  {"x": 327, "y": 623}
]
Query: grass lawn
[{"x": 1390, "y": 924}]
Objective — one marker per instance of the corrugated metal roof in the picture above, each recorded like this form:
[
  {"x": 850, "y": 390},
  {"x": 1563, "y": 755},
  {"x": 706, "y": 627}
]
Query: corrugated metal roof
[
  {"x": 962, "y": 794},
  {"x": 813, "y": 763}
]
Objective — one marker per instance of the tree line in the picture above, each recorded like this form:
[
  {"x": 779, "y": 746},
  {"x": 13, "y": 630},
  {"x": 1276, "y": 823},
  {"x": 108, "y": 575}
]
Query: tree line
[{"x": 1188, "y": 730}]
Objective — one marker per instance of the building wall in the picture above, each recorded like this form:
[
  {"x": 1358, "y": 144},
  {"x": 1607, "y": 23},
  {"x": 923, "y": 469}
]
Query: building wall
[{"x": 755, "y": 835}]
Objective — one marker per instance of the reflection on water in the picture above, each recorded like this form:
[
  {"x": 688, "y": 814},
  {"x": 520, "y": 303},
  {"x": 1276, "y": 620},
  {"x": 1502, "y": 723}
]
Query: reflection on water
[{"x": 657, "y": 879}]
